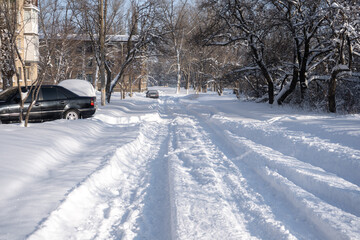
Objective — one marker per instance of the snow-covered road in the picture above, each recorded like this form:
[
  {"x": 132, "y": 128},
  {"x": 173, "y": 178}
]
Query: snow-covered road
[{"x": 183, "y": 167}]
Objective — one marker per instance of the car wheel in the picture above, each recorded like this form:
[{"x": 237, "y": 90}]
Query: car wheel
[{"x": 72, "y": 114}]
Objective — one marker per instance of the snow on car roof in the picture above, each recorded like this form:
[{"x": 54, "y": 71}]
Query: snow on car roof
[{"x": 78, "y": 86}]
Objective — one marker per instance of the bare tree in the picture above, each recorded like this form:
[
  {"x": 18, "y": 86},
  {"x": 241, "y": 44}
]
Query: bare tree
[
  {"x": 292, "y": 43},
  {"x": 174, "y": 30},
  {"x": 58, "y": 39},
  {"x": 11, "y": 44},
  {"x": 345, "y": 34},
  {"x": 304, "y": 21},
  {"x": 96, "y": 19},
  {"x": 323, "y": 35},
  {"x": 142, "y": 33},
  {"x": 241, "y": 22},
  {"x": 8, "y": 35},
  {"x": 92, "y": 15}
]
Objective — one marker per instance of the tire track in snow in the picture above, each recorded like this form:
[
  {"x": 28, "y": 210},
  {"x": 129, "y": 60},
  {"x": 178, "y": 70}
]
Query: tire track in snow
[
  {"x": 211, "y": 197},
  {"x": 155, "y": 221},
  {"x": 200, "y": 211},
  {"x": 316, "y": 166},
  {"x": 341, "y": 160},
  {"x": 325, "y": 153},
  {"x": 327, "y": 186},
  {"x": 278, "y": 170},
  {"x": 109, "y": 202},
  {"x": 268, "y": 164},
  {"x": 332, "y": 157},
  {"x": 298, "y": 166}
]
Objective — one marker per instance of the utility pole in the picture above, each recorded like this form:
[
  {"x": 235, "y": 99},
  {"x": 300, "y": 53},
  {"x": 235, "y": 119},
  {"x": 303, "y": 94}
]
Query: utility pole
[{"x": 102, "y": 52}]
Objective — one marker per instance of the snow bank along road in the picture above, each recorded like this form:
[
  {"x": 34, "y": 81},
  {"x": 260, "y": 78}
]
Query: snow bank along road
[{"x": 183, "y": 167}]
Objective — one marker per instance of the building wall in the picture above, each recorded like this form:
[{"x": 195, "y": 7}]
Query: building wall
[
  {"x": 29, "y": 36},
  {"x": 27, "y": 41}
]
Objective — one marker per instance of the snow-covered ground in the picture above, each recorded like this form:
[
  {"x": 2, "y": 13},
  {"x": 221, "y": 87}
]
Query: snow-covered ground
[{"x": 182, "y": 167}]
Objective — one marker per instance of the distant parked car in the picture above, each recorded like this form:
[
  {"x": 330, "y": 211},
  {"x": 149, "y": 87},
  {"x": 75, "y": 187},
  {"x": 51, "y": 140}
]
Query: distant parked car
[
  {"x": 152, "y": 94},
  {"x": 54, "y": 102}
]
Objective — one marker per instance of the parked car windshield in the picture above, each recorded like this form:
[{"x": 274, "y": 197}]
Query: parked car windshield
[{"x": 5, "y": 95}]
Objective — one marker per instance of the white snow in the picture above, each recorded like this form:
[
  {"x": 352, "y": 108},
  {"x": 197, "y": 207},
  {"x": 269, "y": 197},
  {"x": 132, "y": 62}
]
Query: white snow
[
  {"x": 78, "y": 86},
  {"x": 182, "y": 167}
]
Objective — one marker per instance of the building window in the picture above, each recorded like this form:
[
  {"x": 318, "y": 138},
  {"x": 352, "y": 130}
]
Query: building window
[
  {"x": 20, "y": 73},
  {"x": 27, "y": 74}
]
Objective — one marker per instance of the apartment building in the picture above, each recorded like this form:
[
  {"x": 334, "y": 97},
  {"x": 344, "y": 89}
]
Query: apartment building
[{"x": 27, "y": 40}]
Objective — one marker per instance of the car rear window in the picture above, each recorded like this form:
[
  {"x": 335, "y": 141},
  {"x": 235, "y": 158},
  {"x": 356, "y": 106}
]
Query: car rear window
[
  {"x": 57, "y": 93},
  {"x": 61, "y": 94},
  {"x": 66, "y": 92},
  {"x": 49, "y": 94},
  {"x": 30, "y": 97}
]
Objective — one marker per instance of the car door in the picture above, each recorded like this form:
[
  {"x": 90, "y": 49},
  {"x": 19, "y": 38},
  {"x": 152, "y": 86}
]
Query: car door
[
  {"x": 4, "y": 112},
  {"x": 5, "y": 97},
  {"x": 53, "y": 103},
  {"x": 14, "y": 108}
]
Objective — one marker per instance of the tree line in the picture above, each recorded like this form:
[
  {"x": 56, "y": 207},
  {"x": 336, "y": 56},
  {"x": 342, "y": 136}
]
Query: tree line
[{"x": 303, "y": 52}]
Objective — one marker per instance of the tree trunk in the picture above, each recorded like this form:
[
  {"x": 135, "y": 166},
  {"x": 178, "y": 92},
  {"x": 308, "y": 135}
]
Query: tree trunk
[
  {"x": 331, "y": 92},
  {"x": 337, "y": 70},
  {"x": 21, "y": 101},
  {"x": 178, "y": 72},
  {"x": 34, "y": 96},
  {"x": 264, "y": 70},
  {"x": 140, "y": 84},
  {"x": 331, "y": 95},
  {"x": 332, "y": 89},
  {"x": 108, "y": 79},
  {"x": 123, "y": 94},
  {"x": 220, "y": 89},
  {"x": 269, "y": 80},
  {"x": 131, "y": 85},
  {"x": 303, "y": 68},
  {"x": 292, "y": 87},
  {"x": 188, "y": 83},
  {"x": 95, "y": 83},
  {"x": 102, "y": 52}
]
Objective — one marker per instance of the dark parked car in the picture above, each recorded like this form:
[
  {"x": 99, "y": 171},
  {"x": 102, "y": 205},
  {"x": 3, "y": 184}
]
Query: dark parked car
[
  {"x": 54, "y": 102},
  {"x": 152, "y": 94}
]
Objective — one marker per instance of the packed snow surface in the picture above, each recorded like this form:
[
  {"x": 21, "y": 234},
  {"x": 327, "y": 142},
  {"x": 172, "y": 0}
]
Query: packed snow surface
[{"x": 182, "y": 167}]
